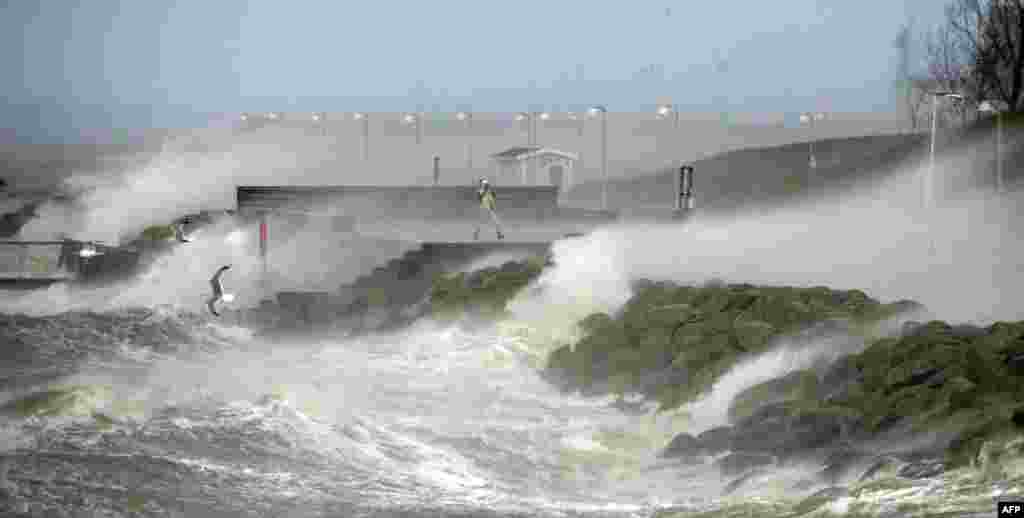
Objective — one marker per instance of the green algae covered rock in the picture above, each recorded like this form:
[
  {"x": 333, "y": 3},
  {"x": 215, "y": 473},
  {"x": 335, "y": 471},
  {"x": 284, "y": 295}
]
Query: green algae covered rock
[
  {"x": 798, "y": 386},
  {"x": 938, "y": 377},
  {"x": 696, "y": 334},
  {"x": 158, "y": 232},
  {"x": 72, "y": 400},
  {"x": 482, "y": 293}
]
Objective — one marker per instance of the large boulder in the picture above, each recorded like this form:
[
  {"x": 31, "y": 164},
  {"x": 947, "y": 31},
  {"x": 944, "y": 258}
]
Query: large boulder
[
  {"x": 796, "y": 386},
  {"x": 716, "y": 440},
  {"x": 482, "y": 294},
  {"x": 739, "y": 463},
  {"x": 1001, "y": 458},
  {"x": 785, "y": 429},
  {"x": 702, "y": 332},
  {"x": 839, "y": 463},
  {"x": 683, "y": 445},
  {"x": 935, "y": 377}
]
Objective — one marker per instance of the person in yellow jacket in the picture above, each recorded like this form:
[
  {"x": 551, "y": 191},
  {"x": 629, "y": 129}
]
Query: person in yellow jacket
[{"x": 488, "y": 208}]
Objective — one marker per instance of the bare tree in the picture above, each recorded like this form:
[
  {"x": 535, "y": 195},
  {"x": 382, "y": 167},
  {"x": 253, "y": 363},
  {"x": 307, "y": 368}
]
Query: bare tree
[
  {"x": 1000, "y": 58},
  {"x": 989, "y": 36}
]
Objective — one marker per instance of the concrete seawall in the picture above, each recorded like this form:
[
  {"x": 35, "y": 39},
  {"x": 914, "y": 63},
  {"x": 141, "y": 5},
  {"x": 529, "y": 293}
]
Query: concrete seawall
[
  {"x": 413, "y": 202},
  {"x": 383, "y": 297}
]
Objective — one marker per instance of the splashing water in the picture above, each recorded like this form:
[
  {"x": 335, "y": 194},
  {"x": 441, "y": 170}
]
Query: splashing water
[{"x": 162, "y": 411}]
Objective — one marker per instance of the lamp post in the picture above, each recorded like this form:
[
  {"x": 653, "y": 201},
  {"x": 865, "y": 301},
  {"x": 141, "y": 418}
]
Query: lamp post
[
  {"x": 319, "y": 119},
  {"x": 996, "y": 107},
  {"x": 926, "y": 186},
  {"x": 602, "y": 111},
  {"x": 579, "y": 123},
  {"x": 666, "y": 110},
  {"x": 810, "y": 119},
  {"x": 415, "y": 120},
  {"x": 245, "y": 121},
  {"x": 467, "y": 119},
  {"x": 531, "y": 128},
  {"x": 364, "y": 119},
  {"x": 531, "y": 119}
]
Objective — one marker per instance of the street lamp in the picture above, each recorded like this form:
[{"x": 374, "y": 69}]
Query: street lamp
[
  {"x": 579, "y": 122},
  {"x": 531, "y": 118},
  {"x": 467, "y": 119},
  {"x": 365, "y": 120},
  {"x": 415, "y": 120},
  {"x": 996, "y": 107},
  {"x": 926, "y": 186},
  {"x": 810, "y": 119},
  {"x": 531, "y": 132},
  {"x": 319, "y": 119},
  {"x": 602, "y": 111},
  {"x": 666, "y": 110}
]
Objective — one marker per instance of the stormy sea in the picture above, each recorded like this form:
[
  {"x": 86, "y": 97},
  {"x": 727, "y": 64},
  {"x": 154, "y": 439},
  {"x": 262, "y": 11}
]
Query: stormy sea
[
  {"x": 165, "y": 414},
  {"x": 130, "y": 400}
]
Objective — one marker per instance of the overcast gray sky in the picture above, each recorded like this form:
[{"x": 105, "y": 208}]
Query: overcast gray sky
[{"x": 74, "y": 66}]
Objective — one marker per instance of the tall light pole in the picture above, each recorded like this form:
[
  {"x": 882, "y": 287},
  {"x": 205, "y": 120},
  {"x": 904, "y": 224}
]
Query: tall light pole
[
  {"x": 364, "y": 119},
  {"x": 810, "y": 119},
  {"x": 246, "y": 121},
  {"x": 669, "y": 110},
  {"x": 602, "y": 111},
  {"x": 926, "y": 186},
  {"x": 320, "y": 119},
  {"x": 996, "y": 107},
  {"x": 531, "y": 128},
  {"x": 531, "y": 119},
  {"x": 467, "y": 119},
  {"x": 579, "y": 123},
  {"x": 415, "y": 120}
]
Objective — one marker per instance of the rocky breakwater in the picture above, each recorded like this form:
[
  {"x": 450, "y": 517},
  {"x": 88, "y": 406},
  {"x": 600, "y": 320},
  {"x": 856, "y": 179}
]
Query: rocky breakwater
[
  {"x": 670, "y": 343},
  {"x": 888, "y": 398}
]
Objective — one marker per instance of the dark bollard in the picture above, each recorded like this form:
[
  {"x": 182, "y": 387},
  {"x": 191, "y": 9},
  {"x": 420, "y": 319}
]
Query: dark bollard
[{"x": 684, "y": 193}]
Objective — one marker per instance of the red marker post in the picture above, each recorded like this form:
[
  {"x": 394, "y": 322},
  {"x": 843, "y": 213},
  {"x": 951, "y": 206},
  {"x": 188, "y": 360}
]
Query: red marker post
[
  {"x": 263, "y": 248},
  {"x": 263, "y": 239}
]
